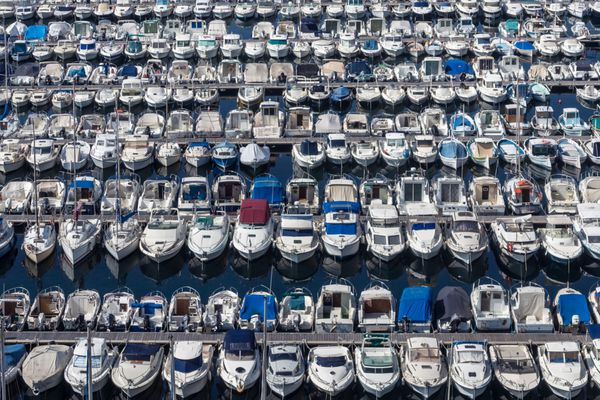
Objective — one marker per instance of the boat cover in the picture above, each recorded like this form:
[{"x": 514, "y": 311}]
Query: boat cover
[
  {"x": 456, "y": 67},
  {"x": 45, "y": 361},
  {"x": 593, "y": 331},
  {"x": 36, "y": 32},
  {"x": 268, "y": 188},
  {"x": 524, "y": 45},
  {"x": 140, "y": 351},
  {"x": 253, "y": 304},
  {"x": 254, "y": 211},
  {"x": 239, "y": 340},
  {"x": 194, "y": 192},
  {"x": 13, "y": 354},
  {"x": 58, "y": 30},
  {"x": 128, "y": 70},
  {"x": 199, "y": 144},
  {"x": 340, "y": 94},
  {"x": 148, "y": 307},
  {"x": 82, "y": 185},
  {"x": 461, "y": 120},
  {"x": 415, "y": 304},
  {"x": 571, "y": 304},
  {"x": 452, "y": 304},
  {"x": 254, "y": 152},
  {"x": 16, "y": 29}
]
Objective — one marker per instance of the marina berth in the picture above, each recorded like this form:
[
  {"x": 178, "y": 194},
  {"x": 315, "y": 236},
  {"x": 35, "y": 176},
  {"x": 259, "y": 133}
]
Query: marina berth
[
  {"x": 424, "y": 366},
  {"x": 44, "y": 366},
  {"x": 238, "y": 364},
  {"x": 102, "y": 360}
]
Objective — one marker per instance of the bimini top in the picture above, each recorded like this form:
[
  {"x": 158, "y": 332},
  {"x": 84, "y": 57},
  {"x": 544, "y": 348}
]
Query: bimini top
[
  {"x": 571, "y": 304},
  {"x": 239, "y": 340},
  {"x": 457, "y": 67},
  {"x": 452, "y": 303},
  {"x": 253, "y": 304},
  {"x": 13, "y": 354},
  {"x": 254, "y": 211},
  {"x": 415, "y": 304},
  {"x": 268, "y": 188}
]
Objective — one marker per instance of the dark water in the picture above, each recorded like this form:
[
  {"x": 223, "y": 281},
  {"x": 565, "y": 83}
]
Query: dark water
[{"x": 103, "y": 273}]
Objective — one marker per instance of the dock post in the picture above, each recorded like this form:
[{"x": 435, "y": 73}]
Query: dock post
[
  {"x": 2, "y": 382},
  {"x": 263, "y": 389}
]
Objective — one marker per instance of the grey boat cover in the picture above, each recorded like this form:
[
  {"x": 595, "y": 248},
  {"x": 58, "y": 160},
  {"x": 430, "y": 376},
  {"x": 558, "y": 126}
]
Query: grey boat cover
[
  {"x": 43, "y": 368},
  {"x": 253, "y": 153},
  {"x": 452, "y": 304}
]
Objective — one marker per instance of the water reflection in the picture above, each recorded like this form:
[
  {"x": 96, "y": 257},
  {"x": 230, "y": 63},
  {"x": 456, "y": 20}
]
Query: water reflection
[
  {"x": 159, "y": 272},
  {"x": 385, "y": 270},
  {"x": 250, "y": 269},
  {"x": 468, "y": 273},
  {"x": 425, "y": 272},
  {"x": 208, "y": 270},
  {"x": 346, "y": 268},
  {"x": 297, "y": 272},
  {"x": 76, "y": 273},
  {"x": 120, "y": 269}
]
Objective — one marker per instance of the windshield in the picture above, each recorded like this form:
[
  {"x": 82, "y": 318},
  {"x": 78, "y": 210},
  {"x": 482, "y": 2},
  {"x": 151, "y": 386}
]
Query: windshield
[
  {"x": 331, "y": 362},
  {"x": 242, "y": 355},
  {"x": 466, "y": 226},
  {"x": 470, "y": 356},
  {"x": 425, "y": 354},
  {"x": 81, "y": 361},
  {"x": 563, "y": 357}
]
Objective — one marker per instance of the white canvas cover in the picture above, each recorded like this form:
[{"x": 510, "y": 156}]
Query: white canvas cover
[
  {"x": 254, "y": 153},
  {"x": 256, "y": 73},
  {"x": 531, "y": 303},
  {"x": 341, "y": 193},
  {"x": 43, "y": 363}
]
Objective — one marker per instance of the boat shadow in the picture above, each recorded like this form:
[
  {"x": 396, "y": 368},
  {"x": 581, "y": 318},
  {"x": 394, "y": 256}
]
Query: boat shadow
[
  {"x": 385, "y": 270},
  {"x": 159, "y": 272},
  {"x": 467, "y": 273},
  {"x": 250, "y": 269},
  {"x": 297, "y": 272},
  {"x": 344, "y": 268},
  {"x": 209, "y": 269}
]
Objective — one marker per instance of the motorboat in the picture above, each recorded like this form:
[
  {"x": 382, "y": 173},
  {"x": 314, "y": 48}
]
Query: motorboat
[
  {"x": 252, "y": 315},
  {"x": 562, "y": 368},
  {"x": 586, "y": 227},
  {"x": 377, "y": 365},
  {"x": 81, "y": 310},
  {"x": 394, "y": 149},
  {"x": 187, "y": 367},
  {"x": 285, "y": 374},
  {"x": 198, "y": 154},
  {"x": 523, "y": 195},
  {"x": 208, "y": 236},
  {"x": 221, "y": 311},
  {"x": 47, "y": 310},
  {"x": 296, "y": 237},
  {"x": 490, "y": 302},
  {"x": 14, "y": 308},
  {"x": 424, "y": 149},
  {"x": 449, "y": 194},
  {"x": 44, "y": 366},
  {"x": 452, "y": 310},
  {"x": 253, "y": 233},
  {"x": 588, "y": 94},
  {"x": 122, "y": 237},
  {"x": 75, "y": 155},
  {"x": 15, "y": 197},
  {"x": 239, "y": 360},
  {"x": 571, "y": 310},
  {"x": 337, "y": 149},
  {"x": 43, "y": 154},
  {"x": 330, "y": 369},
  {"x": 541, "y": 151},
  {"x": 543, "y": 122},
  {"x": 515, "y": 368},
  {"x": 336, "y": 309},
  {"x": 78, "y": 238},
  {"x": 341, "y": 233},
  {"x": 490, "y": 123},
  {"x": 510, "y": 152},
  {"x": 365, "y": 153},
  {"x": 297, "y": 311},
  {"x": 424, "y": 366},
  {"x": 185, "y": 311},
  {"x": 163, "y": 237},
  {"x": 491, "y": 89},
  {"x": 485, "y": 196},
  {"x": 120, "y": 195},
  {"x": 103, "y": 358},
  {"x": 414, "y": 309},
  {"x": 268, "y": 121},
  {"x": 141, "y": 360},
  {"x": 137, "y": 153},
  {"x": 228, "y": 191},
  {"x": 384, "y": 236},
  {"x": 529, "y": 310},
  {"x": 239, "y": 123},
  {"x": 559, "y": 240},
  {"x": 13, "y": 154},
  {"x": 588, "y": 188},
  {"x": 39, "y": 241},
  {"x": 516, "y": 238},
  {"x": 461, "y": 124},
  {"x": 571, "y": 123},
  {"x": 592, "y": 149},
  {"x": 168, "y": 153},
  {"x": 158, "y": 194},
  {"x": 303, "y": 192},
  {"x": 194, "y": 195},
  {"x": 562, "y": 195},
  {"x": 376, "y": 308},
  {"x": 117, "y": 310},
  {"x": 308, "y": 154},
  {"x": 150, "y": 313},
  {"x": 470, "y": 368},
  {"x": 466, "y": 238}
]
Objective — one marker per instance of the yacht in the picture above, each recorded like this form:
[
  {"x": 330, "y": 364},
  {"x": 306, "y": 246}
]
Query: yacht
[
  {"x": 44, "y": 367},
  {"x": 208, "y": 236},
  {"x": 81, "y": 310},
  {"x": 516, "y": 238},
  {"x": 103, "y": 358},
  {"x": 253, "y": 233},
  {"x": 515, "y": 368},
  {"x": 377, "y": 365},
  {"x": 336, "y": 308},
  {"x": 149, "y": 315},
  {"x": 470, "y": 368},
  {"x": 239, "y": 360},
  {"x": 78, "y": 238},
  {"x": 296, "y": 238},
  {"x": 562, "y": 368},
  {"x": 163, "y": 237},
  {"x": 158, "y": 195},
  {"x": 376, "y": 308},
  {"x": 185, "y": 311},
  {"x": 559, "y": 240},
  {"x": 466, "y": 238},
  {"x": 285, "y": 374},
  {"x": 341, "y": 232},
  {"x": 136, "y": 367},
  {"x": 297, "y": 311},
  {"x": 221, "y": 311},
  {"x": 330, "y": 369},
  {"x": 384, "y": 236},
  {"x": 423, "y": 366},
  {"x": 189, "y": 363}
]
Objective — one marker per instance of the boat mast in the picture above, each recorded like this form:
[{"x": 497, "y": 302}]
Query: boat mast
[
  {"x": 263, "y": 373},
  {"x": 172, "y": 369},
  {"x": 118, "y": 180},
  {"x": 88, "y": 377}
]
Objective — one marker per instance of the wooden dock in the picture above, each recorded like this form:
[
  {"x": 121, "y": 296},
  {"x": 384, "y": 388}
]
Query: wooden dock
[{"x": 308, "y": 338}]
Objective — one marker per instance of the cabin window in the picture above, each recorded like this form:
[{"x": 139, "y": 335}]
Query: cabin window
[
  {"x": 394, "y": 239},
  {"x": 470, "y": 357},
  {"x": 485, "y": 193},
  {"x": 379, "y": 239}
]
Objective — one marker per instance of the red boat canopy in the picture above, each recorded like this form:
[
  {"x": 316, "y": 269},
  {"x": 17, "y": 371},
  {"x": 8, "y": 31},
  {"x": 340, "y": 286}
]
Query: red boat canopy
[{"x": 254, "y": 211}]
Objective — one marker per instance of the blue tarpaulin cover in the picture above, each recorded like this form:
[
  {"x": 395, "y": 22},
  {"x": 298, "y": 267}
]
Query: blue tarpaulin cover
[
  {"x": 13, "y": 354},
  {"x": 594, "y": 331},
  {"x": 457, "y": 67},
  {"x": 199, "y": 144},
  {"x": 460, "y": 121},
  {"x": 82, "y": 185},
  {"x": 524, "y": 45},
  {"x": 571, "y": 304},
  {"x": 340, "y": 94},
  {"x": 415, "y": 304},
  {"x": 148, "y": 307},
  {"x": 253, "y": 304},
  {"x": 239, "y": 340},
  {"x": 341, "y": 206},
  {"x": 268, "y": 188},
  {"x": 128, "y": 70},
  {"x": 36, "y": 32}
]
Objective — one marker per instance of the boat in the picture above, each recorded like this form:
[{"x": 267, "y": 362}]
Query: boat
[
  {"x": 491, "y": 89},
  {"x": 543, "y": 122},
  {"x": 252, "y": 312},
  {"x": 15, "y": 304},
  {"x": 330, "y": 369},
  {"x": 423, "y": 366},
  {"x": 136, "y": 367},
  {"x": 394, "y": 149},
  {"x": 336, "y": 307},
  {"x": 466, "y": 238},
  {"x": 120, "y": 195},
  {"x": 81, "y": 310},
  {"x": 510, "y": 152},
  {"x": 225, "y": 155},
  {"x": 559, "y": 240},
  {"x": 77, "y": 371},
  {"x": 150, "y": 313},
  {"x": 254, "y": 156},
  {"x": 424, "y": 149},
  {"x": 296, "y": 237},
  {"x": 516, "y": 238},
  {"x": 43, "y": 154},
  {"x": 268, "y": 121},
  {"x": 592, "y": 149},
  {"x": 297, "y": 311},
  {"x": 185, "y": 311},
  {"x": 461, "y": 124},
  {"x": 163, "y": 238},
  {"x": 490, "y": 302},
  {"x": 187, "y": 367},
  {"x": 137, "y": 152},
  {"x": 74, "y": 155},
  {"x": 303, "y": 192},
  {"x": 562, "y": 195},
  {"x": 285, "y": 374},
  {"x": 490, "y": 123},
  {"x": 529, "y": 310},
  {"x": 253, "y": 233},
  {"x": 122, "y": 237},
  {"x": 15, "y": 197},
  {"x": 482, "y": 151},
  {"x": 376, "y": 308},
  {"x": 39, "y": 241},
  {"x": 168, "y": 154},
  {"x": 377, "y": 365},
  {"x": 515, "y": 368},
  {"x": 485, "y": 196},
  {"x": 13, "y": 154},
  {"x": 208, "y": 236},
  {"x": 586, "y": 227},
  {"x": 452, "y": 310},
  {"x": 194, "y": 196},
  {"x": 541, "y": 151},
  {"x": 158, "y": 194},
  {"x": 453, "y": 153},
  {"x": 47, "y": 310},
  {"x": 197, "y": 154},
  {"x": 44, "y": 366},
  {"x": 116, "y": 311},
  {"x": 562, "y": 368},
  {"x": 470, "y": 368},
  {"x": 414, "y": 309},
  {"x": 365, "y": 153},
  {"x": 571, "y": 123},
  {"x": 588, "y": 188},
  {"x": 588, "y": 94},
  {"x": 522, "y": 195},
  {"x": 341, "y": 233},
  {"x": 228, "y": 191},
  {"x": 308, "y": 154}
]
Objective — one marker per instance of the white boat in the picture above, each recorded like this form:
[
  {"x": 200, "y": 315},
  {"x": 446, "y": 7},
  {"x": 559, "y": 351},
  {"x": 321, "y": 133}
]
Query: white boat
[
  {"x": 136, "y": 367},
  {"x": 523, "y": 195},
  {"x": 571, "y": 153},
  {"x": 589, "y": 188},
  {"x": 239, "y": 360},
  {"x": 228, "y": 191},
  {"x": 43, "y": 154},
  {"x": 149, "y": 315},
  {"x": 483, "y": 151},
  {"x": 116, "y": 312},
  {"x": 308, "y": 154},
  {"x": 39, "y": 241},
  {"x": 132, "y": 92},
  {"x": 137, "y": 153},
  {"x": 515, "y": 368},
  {"x": 377, "y": 365},
  {"x": 470, "y": 368},
  {"x": 559, "y": 241},
  {"x": 254, "y": 156},
  {"x": 571, "y": 123},
  {"x": 81, "y": 310},
  {"x": 516, "y": 238},
  {"x": 490, "y": 303},
  {"x": 424, "y": 238},
  {"x": 12, "y": 155},
  {"x": 120, "y": 195},
  {"x": 78, "y": 238},
  {"x": 74, "y": 155},
  {"x": 297, "y": 311},
  {"x": 44, "y": 366},
  {"x": 336, "y": 307},
  {"x": 194, "y": 195},
  {"x": 47, "y": 310},
  {"x": 485, "y": 196},
  {"x": 491, "y": 88},
  {"x": 365, "y": 153},
  {"x": 185, "y": 311},
  {"x": 102, "y": 361},
  {"x": 384, "y": 236},
  {"x": 222, "y": 310},
  {"x": 562, "y": 368},
  {"x": 330, "y": 369},
  {"x": 466, "y": 238},
  {"x": 376, "y": 308},
  {"x": 423, "y": 365},
  {"x": 238, "y": 124},
  {"x": 449, "y": 194},
  {"x": 163, "y": 237},
  {"x": 15, "y": 304},
  {"x": 189, "y": 363},
  {"x": 15, "y": 197},
  {"x": 304, "y": 192},
  {"x": 168, "y": 153},
  {"x": 208, "y": 236},
  {"x": 158, "y": 194},
  {"x": 562, "y": 195},
  {"x": 342, "y": 231},
  {"x": 296, "y": 237},
  {"x": 529, "y": 309},
  {"x": 285, "y": 374},
  {"x": 424, "y": 149},
  {"x": 122, "y": 237},
  {"x": 592, "y": 149},
  {"x": 197, "y": 154},
  {"x": 490, "y": 123},
  {"x": 586, "y": 227}
]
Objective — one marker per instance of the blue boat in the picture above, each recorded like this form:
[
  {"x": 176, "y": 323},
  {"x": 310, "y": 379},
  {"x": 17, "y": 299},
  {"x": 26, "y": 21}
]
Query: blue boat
[
  {"x": 14, "y": 355},
  {"x": 462, "y": 124},
  {"x": 459, "y": 68},
  {"x": 571, "y": 305},
  {"x": 509, "y": 151},
  {"x": 359, "y": 71},
  {"x": 252, "y": 312},
  {"x": 341, "y": 97},
  {"x": 21, "y": 50},
  {"x": 225, "y": 155},
  {"x": 522, "y": 93},
  {"x": 268, "y": 187},
  {"x": 36, "y": 33},
  {"x": 414, "y": 310},
  {"x": 524, "y": 48},
  {"x": 453, "y": 153},
  {"x": 128, "y": 71},
  {"x": 309, "y": 28}
]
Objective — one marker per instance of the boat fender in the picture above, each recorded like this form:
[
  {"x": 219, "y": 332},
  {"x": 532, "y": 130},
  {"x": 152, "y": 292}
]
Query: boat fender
[{"x": 509, "y": 246}]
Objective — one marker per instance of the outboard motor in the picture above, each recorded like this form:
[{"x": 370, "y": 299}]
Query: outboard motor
[
  {"x": 434, "y": 130},
  {"x": 146, "y": 324},
  {"x": 45, "y": 205},
  {"x": 405, "y": 324},
  {"x": 80, "y": 323},
  {"x": 219, "y": 320},
  {"x": 41, "y": 322},
  {"x": 111, "y": 322},
  {"x": 296, "y": 321}
]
